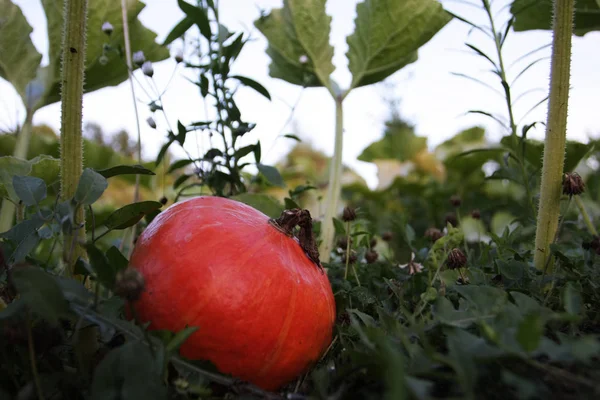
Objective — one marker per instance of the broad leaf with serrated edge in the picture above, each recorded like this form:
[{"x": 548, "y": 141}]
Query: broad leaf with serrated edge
[
  {"x": 537, "y": 14},
  {"x": 114, "y": 72},
  {"x": 388, "y": 34},
  {"x": 299, "y": 48},
  {"x": 19, "y": 59}
]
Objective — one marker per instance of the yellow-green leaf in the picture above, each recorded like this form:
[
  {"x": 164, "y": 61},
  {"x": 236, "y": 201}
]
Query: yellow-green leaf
[
  {"x": 299, "y": 48},
  {"x": 388, "y": 34}
]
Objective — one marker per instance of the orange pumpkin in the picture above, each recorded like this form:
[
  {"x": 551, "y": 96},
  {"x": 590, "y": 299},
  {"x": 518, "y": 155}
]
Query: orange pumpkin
[{"x": 264, "y": 310}]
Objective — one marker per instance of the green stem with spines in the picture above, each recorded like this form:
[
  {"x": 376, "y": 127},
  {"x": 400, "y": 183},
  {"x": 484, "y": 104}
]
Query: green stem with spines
[
  {"x": 71, "y": 146},
  {"x": 555, "y": 143},
  {"x": 335, "y": 184}
]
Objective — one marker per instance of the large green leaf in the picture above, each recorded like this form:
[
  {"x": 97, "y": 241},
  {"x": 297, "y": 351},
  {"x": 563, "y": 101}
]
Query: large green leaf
[
  {"x": 114, "y": 72},
  {"x": 398, "y": 143},
  {"x": 299, "y": 48},
  {"x": 537, "y": 14},
  {"x": 388, "y": 34},
  {"x": 19, "y": 58}
]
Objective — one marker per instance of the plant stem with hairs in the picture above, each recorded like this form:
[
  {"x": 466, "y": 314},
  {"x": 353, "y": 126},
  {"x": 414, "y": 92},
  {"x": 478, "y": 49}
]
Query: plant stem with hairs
[{"x": 555, "y": 143}]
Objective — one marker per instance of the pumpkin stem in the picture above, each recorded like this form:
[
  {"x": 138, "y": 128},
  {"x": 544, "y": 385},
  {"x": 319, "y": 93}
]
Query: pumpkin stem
[{"x": 287, "y": 223}]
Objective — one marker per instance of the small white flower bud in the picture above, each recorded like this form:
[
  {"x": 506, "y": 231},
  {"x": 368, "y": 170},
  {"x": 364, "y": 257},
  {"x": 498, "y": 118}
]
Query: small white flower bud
[
  {"x": 139, "y": 58},
  {"x": 303, "y": 59},
  {"x": 151, "y": 122},
  {"x": 107, "y": 28},
  {"x": 179, "y": 56},
  {"x": 103, "y": 60},
  {"x": 147, "y": 69}
]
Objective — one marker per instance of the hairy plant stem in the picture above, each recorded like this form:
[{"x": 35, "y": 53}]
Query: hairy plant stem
[
  {"x": 7, "y": 213},
  {"x": 71, "y": 147},
  {"x": 586, "y": 217},
  {"x": 555, "y": 143},
  {"x": 335, "y": 184}
]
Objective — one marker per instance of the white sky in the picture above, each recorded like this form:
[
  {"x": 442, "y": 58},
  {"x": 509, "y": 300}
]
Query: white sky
[{"x": 430, "y": 96}]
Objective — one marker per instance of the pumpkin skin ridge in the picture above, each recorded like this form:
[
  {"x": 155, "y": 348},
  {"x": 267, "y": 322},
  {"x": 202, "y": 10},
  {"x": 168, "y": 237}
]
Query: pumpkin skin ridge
[
  {"x": 287, "y": 323},
  {"x": 291, "y": 340}
]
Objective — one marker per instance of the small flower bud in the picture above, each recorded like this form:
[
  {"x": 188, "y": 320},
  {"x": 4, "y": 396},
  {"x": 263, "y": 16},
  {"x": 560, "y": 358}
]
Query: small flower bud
[
  {"x": 179, "y": 56},
  {"x": 455, "y": 201},
  {"x": 371, "y": 256},
  {"x": 147, "y": 69},
  {"x": 386, "y": 236},
  {"x": 451, "y": 218},
  {"x": 163, "y": 200},
  {"x": 303, "y": 59},
  {"x": 343, "y": 242},
  {"x": 349, "y": 214},
  {"x": 129, "y": 284},
  {"x": 573, "y": 184},
  {"x": 138, "y": 58},
  {"x": 373, "y": 242},
  {"x": 107, "y": 28},
  {"x": 151, "y": 122},
  {"x": 433, "y": 234},
  {"x": 593, "y": 245},
  {"x": 476, "y": 214},
  {"x": 352, "y": 259},
  {"x": 103, "y": 60},
  {"x": 456, "y": 259}
]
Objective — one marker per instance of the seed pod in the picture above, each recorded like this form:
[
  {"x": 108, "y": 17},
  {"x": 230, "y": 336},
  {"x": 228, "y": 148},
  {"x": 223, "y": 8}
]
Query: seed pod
[
  {"x": 573, "y": 184},
  {"x": 476, "y": 214},
  {"x": 455, "y": 201},
  {"x": 107, "y": 28},
  {"x": 138, "y": 58},
  {"x": 151, "y": 122},
  {"x": 371, "y": 256},
  {"x": 433, "y": 234},
  {"x": 129, "y": 284},
  {"x": 179, "y": 56},
  {"x": 386, "y": 236},
  {"x": 349, "y": 214},
  {"x": 451, "y": 218},
  {"x": 456, "y": 259},
  {"x": 148, "y": 69}
]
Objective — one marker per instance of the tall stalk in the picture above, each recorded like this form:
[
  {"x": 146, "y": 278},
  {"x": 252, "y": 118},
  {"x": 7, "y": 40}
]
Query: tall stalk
[
  {"x": 556, "y": 126},
  {"x": 71, "y": 146},
  {"x": 335, "y": 184}
]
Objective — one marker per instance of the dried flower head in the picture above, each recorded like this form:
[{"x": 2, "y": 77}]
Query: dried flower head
[
  {"x": 107, "y": 28},
  {"x": 386, "y": 236},
  {"x": 343, "y": 242},
  {"x": 352, "y": 258},
  {"x": 163, "y": 200},
  {"x": 433, "y": 234},
  {"x": 413, "y": 267},
  {"x": 373, "y": 242},
  {"x": 476, "y": 214},
  {"x": 139, "y": 58},
  {"x": 451, "y": 219},
  {"x": 151, "y": 122},
  {"x": 371, "y": 256},
  {"x": 148, "y": 69},
  {"x": 456, "y": 259},
  {"x": 349, "y": 214},
  {"x": 129, "y": 284},
  {"x": 455, "y": 200},
  {"x": 573, "y": 184}
]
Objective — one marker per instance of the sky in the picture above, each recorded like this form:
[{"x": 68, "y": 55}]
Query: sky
[{"x": 427, "y": 93}]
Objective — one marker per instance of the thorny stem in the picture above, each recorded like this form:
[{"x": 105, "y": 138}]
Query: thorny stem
[
  {"x": 585, "y": 216},
  {"x": 555, "y": 143},
  {"x": 71, "y": 150}
]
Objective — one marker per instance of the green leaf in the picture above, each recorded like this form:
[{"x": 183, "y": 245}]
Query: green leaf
[
  {"x": 179, "y": 338},
  {"x": 128, "y": 372},
  {"x": 388, "y": 34},
  {"x": 198, "y": 16},
  {"x": 24, "y": 237},
  {"x": 40, "y": 291},
  {"x": 180, "y": 180},
  {"x": 45, "y": 167},
  {"x": 178, "y": 30},
  {"x": 271, "y": 173},
  {"x": 294, "y": 137},
  {"x": 513, "y": 270},
  {"x": 537, "y": 14},
  {"x": 180, "y": 164},
  {"x": 30, "y": 190},
  {"x": 266, "y": 204},
  {"x": 105, "y": 271},
  {"x": 340, "y": 227},
  {"x": 572, "y": 300},
  {"x": 129, "y": 215},
  {"x": 97, "y": 75},
  {"x": 19, "y": 59},
  {"x": 9, "y": 167},
  {"x": 530, "y": 331},
  {"x": 90, "y": 188},
  {"x": 298, "y": 36},
  {"x": 253, "y": 84},
  {"x": 125, "y": 170},
  {"x": 398, "y": 143},
  {"x": 116, "y": 259}
]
